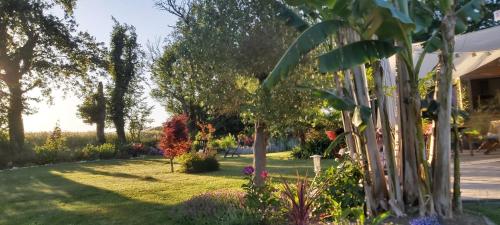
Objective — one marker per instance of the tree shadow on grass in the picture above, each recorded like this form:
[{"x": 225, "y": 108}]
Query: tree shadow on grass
[{"x": 44, "y": 197}]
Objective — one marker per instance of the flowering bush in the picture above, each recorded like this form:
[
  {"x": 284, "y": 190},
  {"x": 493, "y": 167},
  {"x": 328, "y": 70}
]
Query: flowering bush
[
  {"x": 175, "y": 138},
  {"x": 261, "y": 200},
  {"x": 431, "y": 220}
]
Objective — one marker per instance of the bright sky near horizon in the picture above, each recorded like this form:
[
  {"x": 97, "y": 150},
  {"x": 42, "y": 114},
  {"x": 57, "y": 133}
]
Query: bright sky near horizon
[{"x": 94, "y": 16}]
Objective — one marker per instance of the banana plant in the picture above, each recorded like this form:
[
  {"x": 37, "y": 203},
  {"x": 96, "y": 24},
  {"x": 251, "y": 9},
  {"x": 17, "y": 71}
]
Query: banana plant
[{"x": 383, "y": 29}]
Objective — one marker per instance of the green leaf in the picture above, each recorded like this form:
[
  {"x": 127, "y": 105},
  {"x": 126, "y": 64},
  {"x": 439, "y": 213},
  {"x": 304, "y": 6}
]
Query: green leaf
[
  {"x": 361, "y": 116},
  {"x": 394, "y": 25},
  {"x": 337, "y": 102},
  {"x": 334, "y": 143},
  {"x": 307, "y": 41},
  {"x": 470, "y": 10},
  {"x": 355, "y": 54},
  {"x": 291, "y": 18}
]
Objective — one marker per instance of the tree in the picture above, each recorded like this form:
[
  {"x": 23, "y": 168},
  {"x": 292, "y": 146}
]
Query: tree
[
  {"x": 124, "y": 67},
  {"x": 138, "y": 118},
  {"x": 175, "y": 138},
  {"x": 93, "y": 110},
  {"x": 230, "y": 47},
  {"x": 39, "y": 50}
]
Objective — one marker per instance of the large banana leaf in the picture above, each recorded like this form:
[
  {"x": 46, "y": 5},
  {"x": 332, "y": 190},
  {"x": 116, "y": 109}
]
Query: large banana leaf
[
  {"x": 385, "y": 20},
  {"x": 472, "y": 11},
  {"x": 355, "y": 54},
  {"x": 291, "y": 18},
  {"x": 308, "y": 40},
  {"x": 336, "y": 101}
]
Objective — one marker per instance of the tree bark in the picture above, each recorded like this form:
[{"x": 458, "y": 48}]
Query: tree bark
[
  {"x": 373, "y": 156},
  {"x": 457, "y": 198},
  {"x": 15, "y": 117},
  {"x": 101, "y": 107},
  {"x": 395, "y": 195},
  {"x": 409, "y": 145},
  {"x": 171, "y": 165},
  {"x": 120, "y": 130},
  {"x": 441, "y": 182},
  {"x": 259, "y": 151},
  {"x": 346, "y": 117}
]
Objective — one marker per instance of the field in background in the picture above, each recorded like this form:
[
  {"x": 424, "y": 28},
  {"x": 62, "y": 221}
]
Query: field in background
[{"x": 75, "y": 140}]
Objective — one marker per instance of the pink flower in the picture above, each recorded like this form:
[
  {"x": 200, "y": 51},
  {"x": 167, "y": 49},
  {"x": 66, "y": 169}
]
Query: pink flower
[
  {"x": 248, "y": 170},
  {"x": 264, "y": 174}
]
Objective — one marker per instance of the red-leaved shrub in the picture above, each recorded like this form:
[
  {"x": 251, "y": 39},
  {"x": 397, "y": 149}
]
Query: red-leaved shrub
[{"x": 175, "y": 138}]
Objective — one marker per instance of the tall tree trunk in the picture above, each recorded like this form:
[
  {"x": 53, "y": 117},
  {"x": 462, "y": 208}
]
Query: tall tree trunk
[
  {"x": 120, "y": 129},
  {"x": 101, "y": 107},
  {"x": 395, "y": 195},
  {"x": 441, "y": 182},
  {"x": 457, "y": 198},
  {"x": 15, "y": 117},
  {"x": 409, "y": 118},
  {"x": 118, "y": 113},
  {"x": 346, "y": 117},
  {"x": 259, "y": 151},
  {"x": 373, "y": 156}
]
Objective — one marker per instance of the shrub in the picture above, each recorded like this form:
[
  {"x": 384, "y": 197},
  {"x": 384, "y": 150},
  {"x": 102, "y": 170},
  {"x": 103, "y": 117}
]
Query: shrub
[
  {"x": 299, "y": 201},
  {"x": 175, "y": 138},
  {"x": 198, "y": 163},
  {"x": 262, "y": 200},
  {"x": 104, "y": 151},
  {"x": 54, "y": 150},
  {"x": 316, "y": 146},
  {"x": 343, "y": 195},
  {"x": 228, "y": 141},
  {"x": 217, "y": 207}
]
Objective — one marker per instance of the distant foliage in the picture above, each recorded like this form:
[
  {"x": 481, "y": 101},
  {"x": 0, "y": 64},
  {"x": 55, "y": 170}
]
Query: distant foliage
[
  {"x": 54, "y": 149},
  {"x": 175, "y": 138},
  {"x": 223, "y": 143},
  {"x": 316, "y": 143},
  {"x": 197, "y": 163},
  {"x": 104, "y": 151}
]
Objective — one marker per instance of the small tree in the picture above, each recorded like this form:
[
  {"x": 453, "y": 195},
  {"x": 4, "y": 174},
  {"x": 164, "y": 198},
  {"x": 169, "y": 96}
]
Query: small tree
[
  {"x": 175, "y": 138},
  {"x": 93, "y": 110}
]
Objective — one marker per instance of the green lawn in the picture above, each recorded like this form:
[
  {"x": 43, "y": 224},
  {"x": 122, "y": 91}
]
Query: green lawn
[
  {"x": 489, "y": 209},
  {"x": 139, "y": 191}
]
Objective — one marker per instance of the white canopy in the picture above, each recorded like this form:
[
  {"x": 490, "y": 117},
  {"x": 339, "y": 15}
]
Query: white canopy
[{"x": 472, "y": 51}]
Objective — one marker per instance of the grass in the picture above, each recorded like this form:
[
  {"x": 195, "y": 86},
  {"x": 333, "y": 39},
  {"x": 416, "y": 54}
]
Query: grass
[
  {"x": 139, "y": 191},
  {"x": 490, "y": 209}
]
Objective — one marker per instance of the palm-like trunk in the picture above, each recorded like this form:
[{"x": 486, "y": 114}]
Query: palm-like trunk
[
  {"x": 457, "y": 198},
  {"x": 372, "y": 152},
  {"x": 259, "y": 151},
  {"x": 441, "y": 185},
  {"x": 395, "y": 196}
]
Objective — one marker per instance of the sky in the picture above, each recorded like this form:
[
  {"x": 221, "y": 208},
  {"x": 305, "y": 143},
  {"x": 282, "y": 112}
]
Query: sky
[{"x": 94, "y": 16}]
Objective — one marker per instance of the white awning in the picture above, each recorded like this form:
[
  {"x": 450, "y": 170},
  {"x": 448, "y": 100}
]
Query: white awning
[{"x": 472, "y": 51}]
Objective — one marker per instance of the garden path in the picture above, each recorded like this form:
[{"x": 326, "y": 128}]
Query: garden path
[{"x": 480, "y": 175}]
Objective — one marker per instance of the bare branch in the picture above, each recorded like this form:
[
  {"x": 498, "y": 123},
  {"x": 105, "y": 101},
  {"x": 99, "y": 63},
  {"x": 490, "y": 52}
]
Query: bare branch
[
  {"x": 36, "y": 84},
  {"x": 179, "y": 8}
]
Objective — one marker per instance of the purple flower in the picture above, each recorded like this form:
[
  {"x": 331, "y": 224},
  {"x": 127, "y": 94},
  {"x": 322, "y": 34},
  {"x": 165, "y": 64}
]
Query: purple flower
[
  {"x": 248, "y": 170},
  {"x": 432, "y": 220}
]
